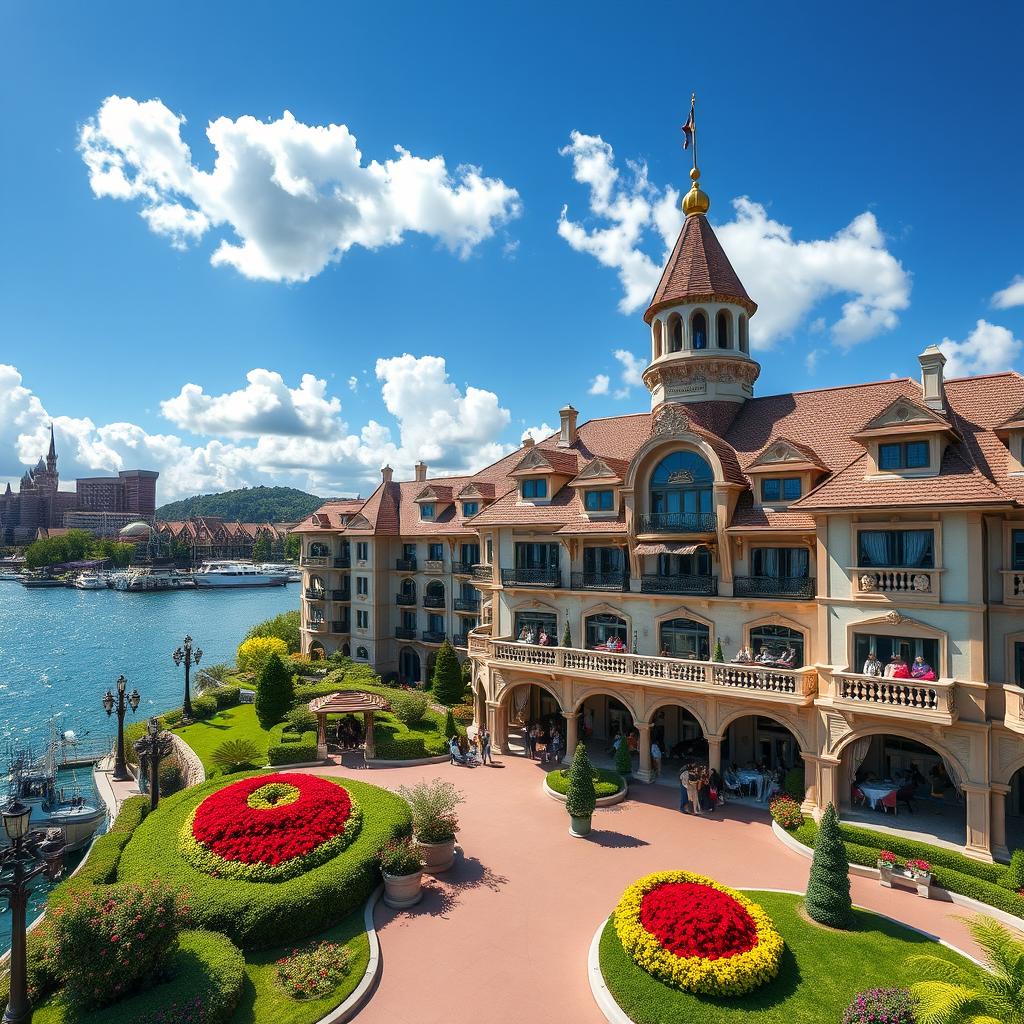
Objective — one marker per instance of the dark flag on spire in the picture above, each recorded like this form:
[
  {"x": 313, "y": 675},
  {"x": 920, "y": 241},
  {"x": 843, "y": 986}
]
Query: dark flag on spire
[{"x": 688, "y": 128}]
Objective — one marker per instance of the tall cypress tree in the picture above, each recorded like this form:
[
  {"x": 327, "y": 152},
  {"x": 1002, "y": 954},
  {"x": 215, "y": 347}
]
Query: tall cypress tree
[
  {"x": 447, "y": 682},
  {"x": 580, "y": 797},
  {"x": 828, "y": 887},
  {"x": 274, "y": 692}
]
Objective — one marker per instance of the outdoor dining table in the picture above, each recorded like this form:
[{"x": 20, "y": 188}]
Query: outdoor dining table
[
  {"x": 876, "y": 792},
  {"x": 750, "y": 776}
]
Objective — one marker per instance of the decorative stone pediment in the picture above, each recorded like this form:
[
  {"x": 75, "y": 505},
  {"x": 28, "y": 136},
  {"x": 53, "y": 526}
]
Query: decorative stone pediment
[
  {"x": 473, "y": 490},
  {"x": 782, "y": 453},
  {"x": 670, "y": 419},
  {"x": 904, "y": 412},
  {"x": 597, "y": 469},
  {"x": 359, "y": 522}
]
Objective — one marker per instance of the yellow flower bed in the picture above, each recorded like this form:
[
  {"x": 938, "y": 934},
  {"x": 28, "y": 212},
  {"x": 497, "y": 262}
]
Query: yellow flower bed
[{"x": 726, "y": 976}]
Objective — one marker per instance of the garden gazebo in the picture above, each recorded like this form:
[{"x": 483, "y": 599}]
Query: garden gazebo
[{"x": 347, "y": 702}]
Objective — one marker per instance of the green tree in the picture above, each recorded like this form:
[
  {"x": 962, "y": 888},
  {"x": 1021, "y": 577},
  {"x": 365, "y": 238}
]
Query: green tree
[
  {"x": 450, "y": 728},
  {"x": 623, "y": 759},
  {"x": 828, "y": 888},
  {"x": 284, "y": 626},
  {"x": 580, "y": 797},
  {"x": 274, "y": 692},
  {"x": 72, "y": 546},
  {"x": 254, "y": 652},
  {"x": 246, "y": 505},
  {"x": 447, "y": 682},
  {"x": 292, "y": 547},
  {"x": 719, "y": 654},
  {"x": 566, "y": 636},
  {"x": 261, "y": 549},
  {"x": 956, "y": 995}
]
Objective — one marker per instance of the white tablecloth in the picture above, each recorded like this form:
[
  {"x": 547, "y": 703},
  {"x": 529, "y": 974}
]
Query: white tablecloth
[
  {"x": 749, "y": 776},
  {"x": 877, "y": 791}
]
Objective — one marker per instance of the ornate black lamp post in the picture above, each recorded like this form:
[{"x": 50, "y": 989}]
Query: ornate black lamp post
[
  {"x": 154, "y": 746},
  {"x": 190, "y": 657},
  {"x": 121, "y": 773},
  {"x": 30, "y": 854}
]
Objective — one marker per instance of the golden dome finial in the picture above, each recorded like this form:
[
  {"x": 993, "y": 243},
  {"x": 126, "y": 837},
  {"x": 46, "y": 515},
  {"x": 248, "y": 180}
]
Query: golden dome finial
[{"x": 695, "y": 201}]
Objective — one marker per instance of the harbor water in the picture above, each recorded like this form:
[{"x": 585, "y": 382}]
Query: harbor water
[{"x": 61, "y": 648}]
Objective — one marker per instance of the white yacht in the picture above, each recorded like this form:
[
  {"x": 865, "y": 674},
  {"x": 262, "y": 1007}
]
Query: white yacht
[
  {"x": 224, "y": 573},
  {"x": 91, "y": 580},
  {"x": 145, "y": 579},
  {"x": 292, "y": 573}
]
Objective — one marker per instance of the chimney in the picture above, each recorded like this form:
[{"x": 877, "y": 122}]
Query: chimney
[
  {"x": 528, "y": 441},
  {"x": 386, "y": 474},
  {"x": 932, "y": 361},
  {"x": 568, "y": 435},
  {"x": 421, "y": 472}
]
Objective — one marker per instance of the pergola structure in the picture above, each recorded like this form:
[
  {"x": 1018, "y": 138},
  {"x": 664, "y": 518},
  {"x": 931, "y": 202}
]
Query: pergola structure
[{"x": 347, "y": 702}]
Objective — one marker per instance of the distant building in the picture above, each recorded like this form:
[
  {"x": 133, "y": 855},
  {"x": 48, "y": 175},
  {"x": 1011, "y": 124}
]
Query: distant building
[{"x": 204, "y": 537}]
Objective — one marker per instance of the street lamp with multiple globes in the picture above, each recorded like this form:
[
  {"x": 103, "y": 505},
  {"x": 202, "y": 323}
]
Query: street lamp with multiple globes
[
  {"x": 121, "y": 773},
  {"x": 30, "y": 853},
  {"x": 154, "y": 746},
  {"x": 185, "y": 654}
]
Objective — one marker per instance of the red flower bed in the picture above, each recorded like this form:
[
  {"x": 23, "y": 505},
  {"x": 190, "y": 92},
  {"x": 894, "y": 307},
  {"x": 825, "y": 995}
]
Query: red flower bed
[
  {"x": 228, "y": 825},
  {"x": 689, "y": 919}
]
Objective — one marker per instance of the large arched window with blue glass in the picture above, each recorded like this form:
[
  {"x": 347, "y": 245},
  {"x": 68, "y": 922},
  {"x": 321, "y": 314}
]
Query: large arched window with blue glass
[{"x": 681, "y": 494}]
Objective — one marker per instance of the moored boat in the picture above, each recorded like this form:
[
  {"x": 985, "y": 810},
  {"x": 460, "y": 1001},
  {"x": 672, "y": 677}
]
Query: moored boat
[
  {"x": 91, "y": 581},
  {"x": 224, "y": 573}
]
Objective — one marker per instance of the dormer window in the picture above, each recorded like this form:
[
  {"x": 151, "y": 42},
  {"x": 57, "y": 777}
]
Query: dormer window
[
  {"x": 427, "y": 510},
  {"x": 903, "y": 455},
  {"x": 599, "y": 501},
  {"x": 470, "y": 508},
  {"x": 784, "y": 489},
  {"x": 535, "y": 488}
]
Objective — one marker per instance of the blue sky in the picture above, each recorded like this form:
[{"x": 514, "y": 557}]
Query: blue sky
[{"x": 889, "y": 126}]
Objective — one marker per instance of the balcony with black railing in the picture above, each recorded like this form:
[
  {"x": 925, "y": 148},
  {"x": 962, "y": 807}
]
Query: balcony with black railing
[
  {"x": 795, "y": 588},
  {"x": 343, "y": 562},
  {"x": 483, "y": 573},
  {"x": 462, "y": 568},
  {"x": 432, "y": 636},
  {"x": 651, "y": 583},
  {"x": 315, "y": 595},
  {"x": 405, "y": 564},
  {"x": 461, "y": 640},
  {"x": 341, "y": 595},
  {"x": 600, "y": 581},
  {"x": 407, "y": 600},
  {"x": 466, "y": 604},
  {"x": 341, "y": 626},
  {"x": 678, "y": 522},
  {"x": 405, "y": 633},
  {"x": 531, "y": 577},
  {"x": 433, "y": 600}
]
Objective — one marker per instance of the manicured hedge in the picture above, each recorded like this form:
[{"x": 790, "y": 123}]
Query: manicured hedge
[
  {"x": 204, "y": 707},
  {"x": 262, "y": 915},
  {"x": 951, "y": 870},
  {"x": 606, "y": 782},
  {"x": 226, "y": 696},
  {"x": 207, "y": 969},
  {"x": 292, "y": 752}
]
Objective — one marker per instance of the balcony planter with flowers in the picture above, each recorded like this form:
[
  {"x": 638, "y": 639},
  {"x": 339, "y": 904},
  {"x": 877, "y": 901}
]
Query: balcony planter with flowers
[
  {"x": 401, "y": 864},
  {"x": 434, "y": 821}
]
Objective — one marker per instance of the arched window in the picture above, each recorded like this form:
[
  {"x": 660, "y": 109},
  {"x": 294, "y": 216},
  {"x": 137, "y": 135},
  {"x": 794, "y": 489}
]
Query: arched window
[
  {"x": 675, "y": 333},
  {"x": 681, "y": 495},
  {"x": 722, "y": 329},
  {"x": 656, "y": 333},
  {"x": 318, "y": 550},
  {"x": 434, "y": 595},
  {"x": 777, "y": 641},
  {"x": 607, "y": 631},
  {"x": 685, "y": 638},
  {"x": 699, "y": 330},
  {"x": 409, "y": 590},
  {"x": 316, "y": 651},
  {"x": 744, "y": 343},
  {"x": 346, "y": 651},
  {"x": 316, "y": 586},
  {"x": 362, "y": 654}
]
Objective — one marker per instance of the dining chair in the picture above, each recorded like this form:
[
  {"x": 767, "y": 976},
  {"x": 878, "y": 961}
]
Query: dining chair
[{"x": 888, "y": 802}]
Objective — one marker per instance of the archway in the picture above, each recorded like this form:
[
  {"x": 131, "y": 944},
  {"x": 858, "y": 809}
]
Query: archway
[
  {"x": 346, "y": 651},
  {"x": 316, "y": 651},
  {"x": 759, "y": 753},
  {"x": 679, "y": 733},
  {"x": 903, "y": 784},
  {"x": 522, "y": 705},
  {"x": 681, "y": 493},
  {"x": 433, "y": 596},
  {"x": 409, "y": 666},
  {"x": 1015, "y": 811}
]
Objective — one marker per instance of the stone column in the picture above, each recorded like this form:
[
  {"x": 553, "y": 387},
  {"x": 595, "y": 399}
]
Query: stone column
[
  {"x": 979, "y": 830},
  {"x": 714, "y": 753},
  {"x": 572, "y": 733},
  {"x": 497, "y": 723},
  {"x": 998, "y": 819},
  {"x": 822, "y": 783},
  {"x": 321, "y": 737},
  {"x": 645, "y": 773},
  {"x": 369, "y": 747}
]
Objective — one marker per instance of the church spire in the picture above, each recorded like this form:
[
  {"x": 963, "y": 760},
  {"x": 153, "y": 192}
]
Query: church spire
[{"x": 51, "y": 455}]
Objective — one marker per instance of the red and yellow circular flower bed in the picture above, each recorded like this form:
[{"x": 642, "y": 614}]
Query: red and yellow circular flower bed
[
  {"x": 691, "y": 932},
  {"x": 270, "y": 827}
]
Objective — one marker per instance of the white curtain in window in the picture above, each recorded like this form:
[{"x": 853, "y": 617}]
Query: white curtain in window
[
  {"x": 954, "y": 777},
  {"x": 873, "y": 542},
  {"x": 770, "y": 562},
  {"x": 858, "y": 752},
  {"x": 915, "y": 544},
  {"x": 799, "y": 562}
]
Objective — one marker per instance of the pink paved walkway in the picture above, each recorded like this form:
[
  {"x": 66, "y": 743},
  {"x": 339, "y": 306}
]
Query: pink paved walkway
[{"x": 505, "y": 933}]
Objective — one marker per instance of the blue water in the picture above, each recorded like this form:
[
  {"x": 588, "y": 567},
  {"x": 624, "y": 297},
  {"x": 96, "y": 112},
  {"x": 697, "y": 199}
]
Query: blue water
[{"x": 61, "y": 649}]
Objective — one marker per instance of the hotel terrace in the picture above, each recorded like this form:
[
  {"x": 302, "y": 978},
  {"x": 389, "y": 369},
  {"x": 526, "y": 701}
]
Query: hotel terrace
[{"x": 814, "y": 528}]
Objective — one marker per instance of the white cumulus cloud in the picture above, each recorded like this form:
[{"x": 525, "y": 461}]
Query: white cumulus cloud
[
  {"x": 1011, "y": 295},
  {"x": 633, "y": 225},
  {"x": 291, "y": 197},
  {"x": 538, "y": 433},
  {"x": 599, "y": 385},
  {"x": 989, "y": 348}
]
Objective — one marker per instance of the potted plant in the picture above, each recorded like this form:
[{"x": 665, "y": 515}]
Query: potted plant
[
  {"x": 887, "y": 861},
  {"x": 434, "y": 821},
  {"x": 401, "y": 864},
  {"x": 921, "y": 870},
  {"x": 580, "y": 797}
]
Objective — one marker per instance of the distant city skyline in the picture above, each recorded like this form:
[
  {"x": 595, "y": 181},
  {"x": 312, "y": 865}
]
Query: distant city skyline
[{"x": 417, "y": 237}]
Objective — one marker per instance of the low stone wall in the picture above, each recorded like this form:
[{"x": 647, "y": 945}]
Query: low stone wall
[{"x": 192, "y": 770}]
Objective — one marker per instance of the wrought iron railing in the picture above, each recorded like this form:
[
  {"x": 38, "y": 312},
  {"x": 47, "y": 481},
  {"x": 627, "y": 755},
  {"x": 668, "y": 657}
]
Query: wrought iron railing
[
  {"x": 405, "y": 564},
  {"x": 405, "y": 599},
  {"x": 796, "y": 587},
  {"x": 433, "y": 600},
  {"x": 341, "y": 595},
  {"x": 681, "y": 584},
  {"x": 405, "y": 633},
  {"x": 483, "y": 573},
  {"x": 460, "y": 639},
  {"x": 341, "y": 625},
  {"x": 531, "y": 577},
  {"x": 466, "y": 604},
  {"x": 600, "y": 581},
  {"x": 432, "y": 636},
  {"x": 462, "y": 568},
  {"x": 343, "y": 562},
  {"x": 678, "y": 522},
  {"x": 316, "y": 595}
]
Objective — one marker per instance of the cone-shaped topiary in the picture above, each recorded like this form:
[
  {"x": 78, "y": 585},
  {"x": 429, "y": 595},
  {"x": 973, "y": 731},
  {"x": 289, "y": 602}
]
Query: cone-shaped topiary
[
  {"x": 719, "y": 654},
  {"x": 566, "y": 636},
  {"x": 580, "y": 797},
  {"x": 828, "y": 888},
  {"x": 274, "y": 692},
  {"x": 447, "y": 682},
  {"x": 624, "y": 758},
  {"x": 450, "y": 728}
]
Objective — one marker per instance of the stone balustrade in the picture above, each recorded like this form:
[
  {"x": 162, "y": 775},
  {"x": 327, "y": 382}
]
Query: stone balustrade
[
  {"x": 914, "y": 699},
  {"x": 903, "y": 582},
  {"x": 1013, "y": 586}
]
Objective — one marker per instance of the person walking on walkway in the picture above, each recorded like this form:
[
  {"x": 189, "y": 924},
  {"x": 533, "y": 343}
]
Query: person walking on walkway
[
  {"x": 684, "y": 794},
  {"x": 483, "y": 737},
  {"x": 532, "y": 733},
  {"x": 656, "y": 758}
]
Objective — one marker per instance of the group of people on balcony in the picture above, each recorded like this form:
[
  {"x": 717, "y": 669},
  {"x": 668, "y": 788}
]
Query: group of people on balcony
[
  {"x": 897, "y": 668},
  {"x": 527, "y": 636},
  {"x": 767, "y": 657}
]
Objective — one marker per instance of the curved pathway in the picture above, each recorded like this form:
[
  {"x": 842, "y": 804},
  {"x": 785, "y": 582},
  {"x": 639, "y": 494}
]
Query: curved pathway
[{"x": 504, "y": 935}]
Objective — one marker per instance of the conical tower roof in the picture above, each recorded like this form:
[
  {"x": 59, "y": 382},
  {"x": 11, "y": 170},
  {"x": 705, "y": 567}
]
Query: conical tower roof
[
  {"x": 698, "y": 271},
  {"x": 52, "y": 453}
]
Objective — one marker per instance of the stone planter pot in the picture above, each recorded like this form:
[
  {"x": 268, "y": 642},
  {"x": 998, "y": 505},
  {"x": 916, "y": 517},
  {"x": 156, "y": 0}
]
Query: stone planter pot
[
  {"x": 437, "y": 857},
  {"x": 402, "y": 891},
  {"x": 579, "y": 827}
]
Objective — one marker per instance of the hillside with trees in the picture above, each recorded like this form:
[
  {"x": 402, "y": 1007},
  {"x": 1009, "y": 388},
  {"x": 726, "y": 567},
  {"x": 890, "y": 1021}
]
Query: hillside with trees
[{"x": 246, "y": 505}]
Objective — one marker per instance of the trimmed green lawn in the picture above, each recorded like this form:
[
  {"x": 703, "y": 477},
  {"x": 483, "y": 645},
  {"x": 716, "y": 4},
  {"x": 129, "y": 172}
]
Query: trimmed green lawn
[
  {"x": 265, "y": 1002},
  {"x": 606, "y": 782},
  {"x": 237, "y": 723},
  {"x": 821, "y": 972}
]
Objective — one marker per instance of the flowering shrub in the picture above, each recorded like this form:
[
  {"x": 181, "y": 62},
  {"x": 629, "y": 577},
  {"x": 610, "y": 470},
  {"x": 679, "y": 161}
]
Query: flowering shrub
[
  {"x": 918, "y": 866},
  {"x": 691, "y": 932},
  {"x": 881, "y": 1006},
  {"x": 104, "y": 947},
  {"x": 433, "y": 806},
  {"x": 315, "y": 971},
  {"x": 888, "y": 858},
  {"x": 269, "y": 828},
  {"x": 463, "y": 713},
  {"x": 400, "y": 857},
  {"x": 786, "y": 811}
]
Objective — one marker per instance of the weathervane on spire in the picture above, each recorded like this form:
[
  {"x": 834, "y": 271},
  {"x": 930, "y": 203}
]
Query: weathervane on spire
[
  {"x": 690, "y": 130},
  {"x": 695, "y": 201}
]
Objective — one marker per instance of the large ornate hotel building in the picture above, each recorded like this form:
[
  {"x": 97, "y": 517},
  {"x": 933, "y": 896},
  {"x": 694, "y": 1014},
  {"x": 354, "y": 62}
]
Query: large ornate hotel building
[{"x": 818, "y": 526}]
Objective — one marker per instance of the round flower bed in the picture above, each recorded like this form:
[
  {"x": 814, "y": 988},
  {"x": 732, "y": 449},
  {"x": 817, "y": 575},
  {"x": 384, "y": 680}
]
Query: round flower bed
[
  {"x": 691, "y": 932},
  {"x": 269, "y": 828}
]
